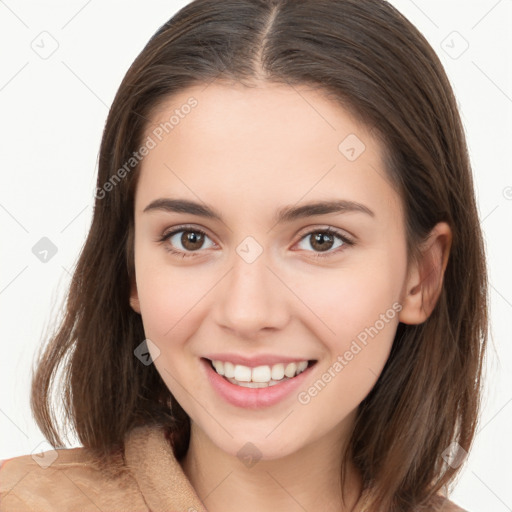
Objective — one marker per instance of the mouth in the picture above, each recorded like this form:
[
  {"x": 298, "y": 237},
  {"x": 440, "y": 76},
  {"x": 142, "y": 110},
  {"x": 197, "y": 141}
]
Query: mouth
[{"x": 260, "y": 376}]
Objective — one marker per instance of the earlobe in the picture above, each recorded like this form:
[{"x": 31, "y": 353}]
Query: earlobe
[
  {"x": 134, "y": 299},
  {"x": 425, "y": 280},
  {"x": 134, "y": 303}
]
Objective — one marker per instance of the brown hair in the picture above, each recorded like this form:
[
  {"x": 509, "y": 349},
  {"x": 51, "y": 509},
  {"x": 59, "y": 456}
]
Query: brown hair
[{"x": 365, "y": 55}]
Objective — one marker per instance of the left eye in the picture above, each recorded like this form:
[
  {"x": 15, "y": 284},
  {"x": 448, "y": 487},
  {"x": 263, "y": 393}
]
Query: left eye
[{"x": 324, "y": 240}]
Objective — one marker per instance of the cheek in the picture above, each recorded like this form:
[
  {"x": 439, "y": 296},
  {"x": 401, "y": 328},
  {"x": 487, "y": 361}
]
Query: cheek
[
  {"x": 170, "y": 302},
  {"x": 356, "y": 310},
  {"x": 362, "y": 310},
  {"x": 352, "y": 298},
  {"x": 169, "y": 298}
]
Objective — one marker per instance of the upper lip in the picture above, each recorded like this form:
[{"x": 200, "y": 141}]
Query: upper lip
[{"x": 253, "y": 361}]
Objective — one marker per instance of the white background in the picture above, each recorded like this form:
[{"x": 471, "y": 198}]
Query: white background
[{"x": 52, "y": 115}]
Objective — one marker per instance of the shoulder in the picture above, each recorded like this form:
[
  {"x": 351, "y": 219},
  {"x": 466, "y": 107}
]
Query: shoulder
[
  {"x": 443, "y": 504},
  {"x": 65, "y": 479},
  {"x": 452, "y": 507}
]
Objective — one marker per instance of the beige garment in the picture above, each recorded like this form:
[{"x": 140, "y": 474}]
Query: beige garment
[{"x": 148, "y": 479}]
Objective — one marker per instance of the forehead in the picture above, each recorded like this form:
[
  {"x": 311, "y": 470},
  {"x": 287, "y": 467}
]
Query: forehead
[{"x": 274, "y": 143}]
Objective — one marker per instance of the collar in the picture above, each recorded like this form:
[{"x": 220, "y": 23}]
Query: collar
[{"x": 161, "y": 480}]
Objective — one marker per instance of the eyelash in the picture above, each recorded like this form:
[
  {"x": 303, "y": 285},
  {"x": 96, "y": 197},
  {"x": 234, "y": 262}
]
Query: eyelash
[{"x": 329, "y": 231}]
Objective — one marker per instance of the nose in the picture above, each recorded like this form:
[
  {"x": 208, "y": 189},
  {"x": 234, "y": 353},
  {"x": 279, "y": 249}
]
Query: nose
[{"x": 251, "y": 299}]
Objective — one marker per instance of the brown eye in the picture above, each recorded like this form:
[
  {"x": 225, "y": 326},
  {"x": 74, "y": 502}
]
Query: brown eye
[
  {"x": 321, "y": 241},
  {"x": 324, "y": 242},
  {"x": 192, "y": 240},
  {"x": 186, "y": 241}
]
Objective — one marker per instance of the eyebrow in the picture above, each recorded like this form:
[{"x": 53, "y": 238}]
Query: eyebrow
[{"x": 285, "y": 214}]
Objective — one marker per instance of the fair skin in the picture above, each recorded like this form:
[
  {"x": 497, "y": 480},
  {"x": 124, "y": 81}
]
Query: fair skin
[{"x": 246, "y": 153}]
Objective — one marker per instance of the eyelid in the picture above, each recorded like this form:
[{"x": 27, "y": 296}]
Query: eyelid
[
  {"x": 343, "y": 234},
  {"x": 347, "y": 241},
  {"x": 184, "y": 227},
  {"x": 168, "y": 234}
]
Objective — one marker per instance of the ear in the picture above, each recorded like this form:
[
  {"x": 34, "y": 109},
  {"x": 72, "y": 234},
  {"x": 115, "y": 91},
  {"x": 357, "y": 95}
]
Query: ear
[
  {"x": 425, "y": 279},
  {"x": 134, "y": 297}
]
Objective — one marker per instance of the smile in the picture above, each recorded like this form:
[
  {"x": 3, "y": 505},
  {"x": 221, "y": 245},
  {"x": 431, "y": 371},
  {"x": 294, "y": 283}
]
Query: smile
[
  {"x": 259, "y": 376},
  {"x": 238, "y": 384}
]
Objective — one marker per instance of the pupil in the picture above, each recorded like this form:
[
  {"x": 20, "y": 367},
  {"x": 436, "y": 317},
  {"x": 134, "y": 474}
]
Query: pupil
[
  {"x": 323, "y": 240},
  {"x": 192, "y": 240}
]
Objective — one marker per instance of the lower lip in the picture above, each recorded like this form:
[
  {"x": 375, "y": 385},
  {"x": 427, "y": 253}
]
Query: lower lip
[{"x": 252, "y": 398}]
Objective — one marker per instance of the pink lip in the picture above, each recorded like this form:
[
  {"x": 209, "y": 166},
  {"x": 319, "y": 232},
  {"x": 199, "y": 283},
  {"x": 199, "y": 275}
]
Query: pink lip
[
  {"x": 252, "y": 398},
  {"x": 252, "y": 362}
]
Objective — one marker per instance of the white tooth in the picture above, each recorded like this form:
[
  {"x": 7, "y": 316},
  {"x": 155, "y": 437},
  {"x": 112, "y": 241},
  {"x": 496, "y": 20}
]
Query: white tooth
[
  {"x": 290, "y": 370},
  {"x": 261, "y": 374},
  {"x": 257, "y": 384},
  {"x": 242, "y": 373},
  {"x": 219, "y": 367},
  {"x": 278, "y": 371},
  {"x": 229, "y": 370},
  {"x": 274, "y": 382},
  {"x": 253, "y": 384},
  {"x": 302, "y": 366}
]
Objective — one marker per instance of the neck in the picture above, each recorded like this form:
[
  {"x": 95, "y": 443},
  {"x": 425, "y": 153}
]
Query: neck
[{"x": 309, "y": 479}]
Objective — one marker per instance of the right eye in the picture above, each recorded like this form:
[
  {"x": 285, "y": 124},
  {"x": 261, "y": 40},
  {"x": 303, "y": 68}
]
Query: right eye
[{"x": 185, "y": 241}]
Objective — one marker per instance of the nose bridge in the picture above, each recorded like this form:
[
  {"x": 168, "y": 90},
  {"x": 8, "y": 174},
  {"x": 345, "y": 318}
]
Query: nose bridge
[{"x": 251, "y": 298}]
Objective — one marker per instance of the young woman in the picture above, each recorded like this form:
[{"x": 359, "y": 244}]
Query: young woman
[{"x": 281, "y": 302}]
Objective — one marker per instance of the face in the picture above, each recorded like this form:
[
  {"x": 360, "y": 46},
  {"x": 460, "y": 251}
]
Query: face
[{"x": 237, "y": 265}]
